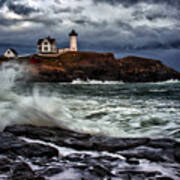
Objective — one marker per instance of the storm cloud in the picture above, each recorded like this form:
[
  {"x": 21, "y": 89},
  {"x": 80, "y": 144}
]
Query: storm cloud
[
  {"x": 21, "y": 9},
  {"x": 102, "y": 25},
  {"x": 128, "y": 3}
]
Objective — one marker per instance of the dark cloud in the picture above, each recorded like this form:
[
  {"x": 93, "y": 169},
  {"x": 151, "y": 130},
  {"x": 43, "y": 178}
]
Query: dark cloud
[
  {"x": 49, "y": 22},
  {"x": 78, "y": 10},
  {"x": 123, "y": 25},
  {"x": 21, "y": 9},
  {"x": 14, "y": 6},
  {"x": 35, "y": 20},
  {"x": 57, "y": 1},
  {"x": 115, "y": 2},
  {"x": 25, "y": 11},
  {"x": 2, "y": 2},
  {"x": 150, "y": 15},
  {"x": 133, "y": 26},
  {"x": 163, "y": 12},
  {"x": 8, "y": 22},
  {"x": 85, "y": 21},
  {"x": 156, "y": 15},
  {"x": 17, "y": 8},
  {"x": 128, "y": 3},
  {"x": 59, "y": 10}
]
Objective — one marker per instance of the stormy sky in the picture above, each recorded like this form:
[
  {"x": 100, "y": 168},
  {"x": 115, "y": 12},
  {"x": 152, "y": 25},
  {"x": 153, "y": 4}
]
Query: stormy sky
[{"x": 148, "y": 28}]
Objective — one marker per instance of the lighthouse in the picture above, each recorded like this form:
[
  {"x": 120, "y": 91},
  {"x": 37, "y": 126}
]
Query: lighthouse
[{"x": 73, "y": 40}]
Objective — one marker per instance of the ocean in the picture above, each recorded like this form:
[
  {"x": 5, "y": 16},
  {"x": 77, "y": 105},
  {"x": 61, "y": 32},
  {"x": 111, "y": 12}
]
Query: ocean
[{"x": 114, "y": 109}]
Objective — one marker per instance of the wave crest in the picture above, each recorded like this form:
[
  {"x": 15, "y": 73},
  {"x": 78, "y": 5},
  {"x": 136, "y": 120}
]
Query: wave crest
[{"x": 79, "y": 81}]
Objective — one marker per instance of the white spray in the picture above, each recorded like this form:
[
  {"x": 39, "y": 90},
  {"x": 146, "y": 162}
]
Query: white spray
[{"x": 32, "y": 109}]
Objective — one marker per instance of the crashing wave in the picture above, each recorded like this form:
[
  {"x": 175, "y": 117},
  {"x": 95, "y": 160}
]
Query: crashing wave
[
  {"x": 20, "y": 109},
  {"x": 79, "y": 81},
  {"x": 122, "y": 113},
  {"x": 9, "y": 73},
  {"x": 170, "y": 81}
]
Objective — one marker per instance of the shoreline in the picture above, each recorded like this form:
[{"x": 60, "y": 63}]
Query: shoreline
[{"x": 43, "y": 153}]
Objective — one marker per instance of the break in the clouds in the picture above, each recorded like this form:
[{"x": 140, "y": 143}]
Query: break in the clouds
[{"x": 105, "y": 25}]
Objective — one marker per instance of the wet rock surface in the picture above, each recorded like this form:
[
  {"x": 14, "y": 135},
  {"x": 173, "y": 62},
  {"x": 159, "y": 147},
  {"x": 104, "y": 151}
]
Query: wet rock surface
[{"x": 45, "y": 153}]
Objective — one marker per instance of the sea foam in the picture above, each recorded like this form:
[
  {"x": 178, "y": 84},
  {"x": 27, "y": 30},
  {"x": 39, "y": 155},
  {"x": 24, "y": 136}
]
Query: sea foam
[
  {"x": 79, "y": 81},
  {"x": 32, "y": 109}
]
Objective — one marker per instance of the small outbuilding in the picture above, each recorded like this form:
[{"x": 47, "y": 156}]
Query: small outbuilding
[{"x": 10, "y": 53}]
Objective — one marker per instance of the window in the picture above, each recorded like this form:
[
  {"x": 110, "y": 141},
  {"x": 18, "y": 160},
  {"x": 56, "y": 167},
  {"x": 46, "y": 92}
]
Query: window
[
  {"x": 45, "y": 43},
  {"x": 46, "y": 48}
]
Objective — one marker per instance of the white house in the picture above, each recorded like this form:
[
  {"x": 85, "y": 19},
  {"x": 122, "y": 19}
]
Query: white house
[
  {"x": 48, "y": 45},
  {"x": 10, "y": 53}
]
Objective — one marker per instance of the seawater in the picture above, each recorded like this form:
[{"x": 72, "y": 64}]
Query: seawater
[{"x": 110, "y": 108}]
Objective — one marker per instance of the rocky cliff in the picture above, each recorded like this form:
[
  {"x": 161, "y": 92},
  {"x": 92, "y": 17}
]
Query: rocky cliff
[
  {"x": 136, "y": 69},
  {"x": 96, "y": 66}
]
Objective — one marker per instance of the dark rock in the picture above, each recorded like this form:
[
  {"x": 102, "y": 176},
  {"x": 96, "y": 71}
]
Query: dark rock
[
  {"x": 138, "y": 175},
  {"x": 154, "y": 155},
  {"x": 93, "y": 157},
  {"x": 12, "y": 145},
  {"x": 177, "y": 152},
  {"x": 8, "y": 141},
  {"x": 5, "y": 166},
  {"x": 162, "y": 143},
  {"x": 133, "y": 161},
  {"x": 22, "y": 170},
  {"x": 52, "y": 171},
  {"x": 99, "y": 171},
  {"x": 76, "y": 140},
  {"x": 115, "y": 144},
  {"x": 36, "y": 150},
  {"x": 164, "y": 178}
]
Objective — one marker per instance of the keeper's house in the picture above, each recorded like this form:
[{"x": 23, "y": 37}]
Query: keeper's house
[{"x": 46, "y": 45}]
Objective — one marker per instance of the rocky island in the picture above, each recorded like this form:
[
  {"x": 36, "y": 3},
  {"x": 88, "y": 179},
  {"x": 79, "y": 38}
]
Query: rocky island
[
  {"x": 70, "y": 66},
  {"x": 53, "y": 64}
]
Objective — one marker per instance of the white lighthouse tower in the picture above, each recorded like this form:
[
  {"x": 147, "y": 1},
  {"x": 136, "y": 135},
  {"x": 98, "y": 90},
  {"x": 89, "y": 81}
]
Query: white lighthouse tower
[{"x": 73, "y": 40}]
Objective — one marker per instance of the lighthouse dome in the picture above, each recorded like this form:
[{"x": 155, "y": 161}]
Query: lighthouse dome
[{"x": 73, "y": 33}]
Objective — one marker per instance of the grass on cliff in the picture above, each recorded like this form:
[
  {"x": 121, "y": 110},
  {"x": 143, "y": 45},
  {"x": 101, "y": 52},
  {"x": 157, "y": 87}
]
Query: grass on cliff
[{"x": 73, "y": 59}]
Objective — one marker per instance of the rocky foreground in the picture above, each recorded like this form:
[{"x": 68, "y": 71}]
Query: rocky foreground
[
  {"x": 47, "y": 153},
  {"x": 95, "y": 66}
]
